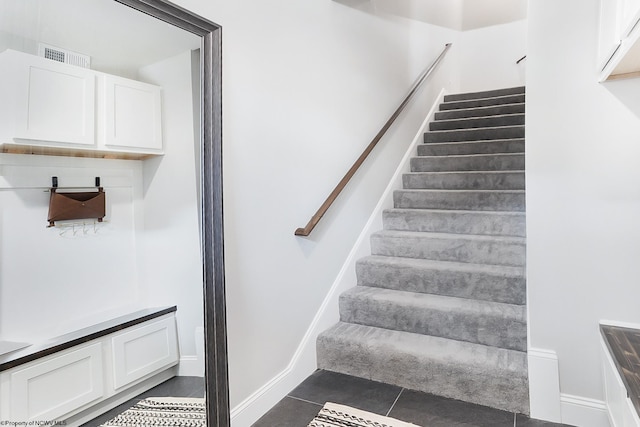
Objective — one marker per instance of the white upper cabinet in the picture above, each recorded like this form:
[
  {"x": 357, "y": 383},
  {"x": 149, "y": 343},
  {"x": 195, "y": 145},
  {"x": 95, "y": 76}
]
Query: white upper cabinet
[
  {"x": 57, "y": 108},
  {"x": 619, "y": 39},
  {"x": 132, "y": 114},
  {"x": 609, "y": 39},
  {"x": 630, "y": 11}
]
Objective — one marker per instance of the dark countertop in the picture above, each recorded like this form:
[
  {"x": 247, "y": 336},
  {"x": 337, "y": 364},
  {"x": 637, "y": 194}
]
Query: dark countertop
[
  {"x": 624, "y": 346},
  {"x": 81, "y": 336}
]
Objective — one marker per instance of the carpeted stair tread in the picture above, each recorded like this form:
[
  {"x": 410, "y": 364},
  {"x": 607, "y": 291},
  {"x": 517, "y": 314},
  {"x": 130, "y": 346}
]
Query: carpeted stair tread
[
  {"x": 483, "y": 102},
  {"x": 481, "y": 322},
  {"x": 477, "y": 249},
  {"x": 468, "y": 162},
  {"x": 451, "y": 278},
  {"x": 478, "y": 122},
  {"x": 474, "y": 373},
  {"x": 499, "y": 146},
  {"x": 492, "y": 110},
  {"x": 465, "y": 180},
  {"x": 500, "y": 132},
  {"x": 481, "y": 200},
  {"x": 495, "y": 223},
  {"x": 485, "y": 94}
]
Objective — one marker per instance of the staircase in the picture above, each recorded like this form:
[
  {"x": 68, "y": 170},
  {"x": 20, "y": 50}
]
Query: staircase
[{"x": 440, "y": 303}]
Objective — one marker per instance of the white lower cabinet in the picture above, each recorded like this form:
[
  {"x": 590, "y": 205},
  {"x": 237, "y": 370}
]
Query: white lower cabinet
[
  {"x": 621, "y": 411},
  {"x": 63, "y": 384},
  {"x": 50, "y": 389},
  {"x": 144, "y": 350}
]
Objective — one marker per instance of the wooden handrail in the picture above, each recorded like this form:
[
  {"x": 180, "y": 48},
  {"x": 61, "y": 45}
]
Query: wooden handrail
[{"x": 343, "y": 182}]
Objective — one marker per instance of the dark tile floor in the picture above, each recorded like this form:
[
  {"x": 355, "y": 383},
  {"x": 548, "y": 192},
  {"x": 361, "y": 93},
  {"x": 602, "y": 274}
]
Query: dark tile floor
[
  {"x": 175, "y": 387},
  {"x": 303, "y": 403}
]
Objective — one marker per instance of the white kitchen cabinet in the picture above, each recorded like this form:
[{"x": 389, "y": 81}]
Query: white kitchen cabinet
[
  {"x": 62, "y": 109},
  {"x": 609, "y": 38},
  {"x": 132, "y": 115},
  {"x": 619, "y": 39},
  {"x": 620, "y": 409},
  {"x": 630, "y": 14}
]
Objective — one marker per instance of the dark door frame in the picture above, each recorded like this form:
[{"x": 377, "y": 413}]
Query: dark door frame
[{"x": 215, "y": 331}]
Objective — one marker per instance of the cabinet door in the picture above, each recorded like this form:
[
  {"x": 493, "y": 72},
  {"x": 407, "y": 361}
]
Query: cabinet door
[
  {"x": 56, "y": 102},
  {"x": 144, "y": 351},
  {"x": 132, "y": 115},
  {"x": 53, "y": 388},
  {"x": 609, "y": 34},
  {"x": 630, "y": 16}
]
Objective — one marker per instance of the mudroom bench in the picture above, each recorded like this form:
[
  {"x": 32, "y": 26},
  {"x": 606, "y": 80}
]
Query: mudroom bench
[
  {"x": 75, "y": 377},
  {"x": 621, "y": 367}
]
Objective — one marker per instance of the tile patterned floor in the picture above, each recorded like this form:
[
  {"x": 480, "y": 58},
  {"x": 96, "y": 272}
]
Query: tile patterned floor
[
  {"x": 303, "y": 403},
  {"x": 175, "y": 387}
]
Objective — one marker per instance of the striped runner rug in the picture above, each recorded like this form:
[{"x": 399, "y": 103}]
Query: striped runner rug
[
  {"x": 161, "y": 412},
  {"x": 334, "y": 415}
]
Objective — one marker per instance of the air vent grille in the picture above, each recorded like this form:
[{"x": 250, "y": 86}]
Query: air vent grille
[{"x": 63, "y": 55}]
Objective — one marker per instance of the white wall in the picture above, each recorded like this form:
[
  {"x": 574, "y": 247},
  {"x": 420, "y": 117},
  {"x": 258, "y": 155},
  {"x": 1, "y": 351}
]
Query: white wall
[
  {"x": 488, "y": 56},
  {"x": 306, "y": 86},
  {"x": 169, "y": 244},
  {"x": 51, "y": 280},
  {"x": 583, "y": 193}
]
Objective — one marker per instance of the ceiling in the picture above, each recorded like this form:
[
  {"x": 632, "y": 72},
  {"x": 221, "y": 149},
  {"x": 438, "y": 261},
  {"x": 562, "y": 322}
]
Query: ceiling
[
  {"x": 459, "y": 15},
  {"x": 118, "y": 38}
]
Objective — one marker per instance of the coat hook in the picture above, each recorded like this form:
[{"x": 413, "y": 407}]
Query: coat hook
[
  {"x": 54, "y": 181},
  {"x": 97, "y": 181}
]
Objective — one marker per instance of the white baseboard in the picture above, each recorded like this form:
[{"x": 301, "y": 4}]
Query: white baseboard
[
  {"x": 584, "y": 412},
  {"x": 303, "y": 363},
  {"x": 191, "y": 366},
  {"x": 544, "y": 385}
]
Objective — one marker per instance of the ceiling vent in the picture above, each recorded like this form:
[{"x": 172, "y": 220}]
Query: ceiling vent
[{"x": 63, "y": 55}]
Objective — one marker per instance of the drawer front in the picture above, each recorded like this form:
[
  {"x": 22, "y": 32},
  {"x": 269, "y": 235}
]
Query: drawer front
[
  {"x": 144, "y": 350},
  {"x": 55, "y": 387}
]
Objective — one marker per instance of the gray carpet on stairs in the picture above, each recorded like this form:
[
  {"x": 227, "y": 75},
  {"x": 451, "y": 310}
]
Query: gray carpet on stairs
[{"x": 440, "y": 304}]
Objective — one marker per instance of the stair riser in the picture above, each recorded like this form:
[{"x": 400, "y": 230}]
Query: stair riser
[
  {"x": 460, "y": 250},
  {"x": 510, "y": 120},
  {"x": 475, "y": 134},
  {"x": 473, "y": 384},
  {"x": 485, "y": 94},
  {"x": 464, "y": 181},
  {"x": 481, "y": 147},
  {"x": 498, "y": 162},
  {"x": 488, "y": 102},
  {"x": 480, "y": 112},
  {"x": 455, "y": 222},
  {"x": 510, "y": 289},
  {"x": 465, "y": 200},
  {"x": 479, "y": 328}
]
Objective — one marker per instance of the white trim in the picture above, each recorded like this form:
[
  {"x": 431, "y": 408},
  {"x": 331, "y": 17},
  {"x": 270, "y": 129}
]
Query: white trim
[
  {"x": 303, "y": 362},
  {"x": 583, "y": 411},
  {"x": 544, "y": 385}
]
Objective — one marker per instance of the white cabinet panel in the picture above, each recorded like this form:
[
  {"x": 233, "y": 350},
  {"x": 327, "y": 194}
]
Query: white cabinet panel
[
  {"x": 57, "y": 386},
  {"x": 621, "y": 411},
  {"x": 133, "y": 114},
  {"x": 609, "y": 38},
  {"x": 630, "y": 16},
  {"x": 51, "y": 101},
  {"x": 144, "y": 350},
  {"x": 60, "y": 106}
]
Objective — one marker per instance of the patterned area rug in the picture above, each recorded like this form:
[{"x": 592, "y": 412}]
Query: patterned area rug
[
  {"x": 334, "y": 415},
  {"x": 163, "y": 411}
]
